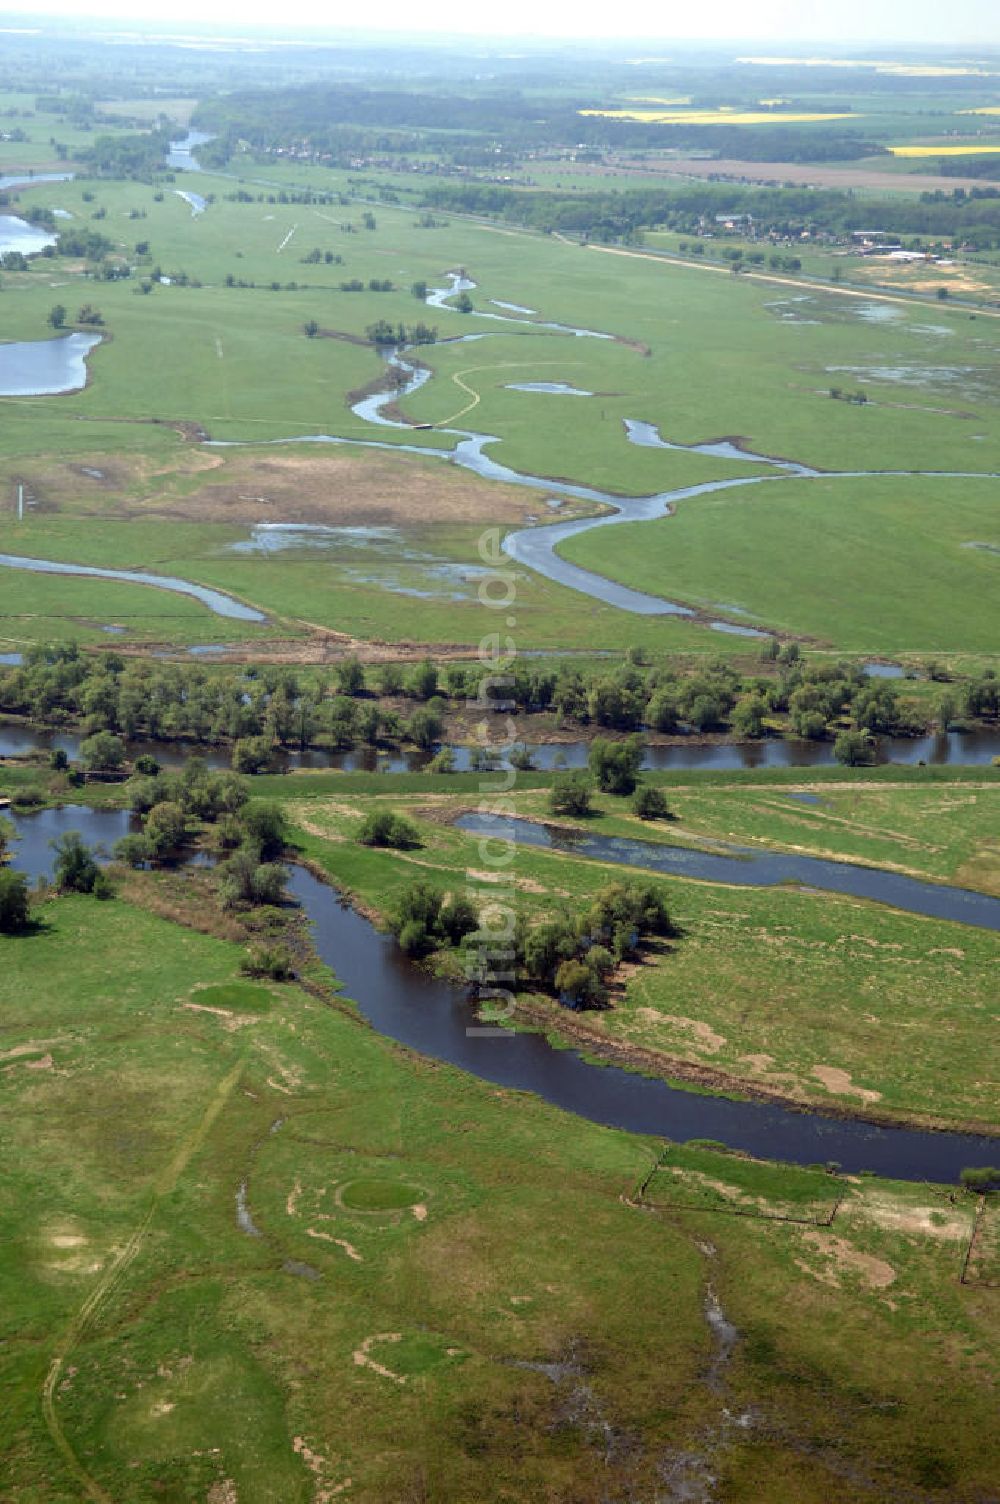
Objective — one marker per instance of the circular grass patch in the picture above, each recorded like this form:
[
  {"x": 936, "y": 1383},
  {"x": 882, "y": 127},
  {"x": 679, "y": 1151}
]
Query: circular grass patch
[
  {"x": 371, "y": 1195},
  {"x": 238, "y": 997}
]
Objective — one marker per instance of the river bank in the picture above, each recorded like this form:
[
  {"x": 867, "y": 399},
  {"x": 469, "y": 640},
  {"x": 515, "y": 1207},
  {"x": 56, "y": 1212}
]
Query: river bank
[{"x": 435, "y": 1017}]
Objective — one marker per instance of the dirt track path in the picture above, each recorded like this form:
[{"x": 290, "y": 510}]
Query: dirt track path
[{"x": 90, "y": 1310}]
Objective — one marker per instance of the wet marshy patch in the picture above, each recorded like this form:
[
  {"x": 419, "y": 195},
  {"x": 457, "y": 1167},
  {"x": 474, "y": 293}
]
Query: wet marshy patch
[
  {"x": 551, "y": 388},
  {"x": 368, "y": 555}
]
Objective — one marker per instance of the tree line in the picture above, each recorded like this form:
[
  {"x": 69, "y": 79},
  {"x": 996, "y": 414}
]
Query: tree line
[{"x": 257, "y": 708}]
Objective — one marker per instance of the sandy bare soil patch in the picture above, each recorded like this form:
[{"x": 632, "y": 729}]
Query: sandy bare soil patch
[
  {"x": 875, "y": 1272},
  {"x": 348, "y": 489},
  {"x": 362, "y": 1359},
  {"x": 705, "y": 1037},
  {"x": 109, "y": 484},
  {"x": 839, "y": 1081},
  {"x": 337, "y": 488}
]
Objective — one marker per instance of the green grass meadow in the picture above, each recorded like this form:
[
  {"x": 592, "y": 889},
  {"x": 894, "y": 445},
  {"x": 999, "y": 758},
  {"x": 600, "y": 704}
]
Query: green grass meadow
[{"x": 418, "y": 1254}]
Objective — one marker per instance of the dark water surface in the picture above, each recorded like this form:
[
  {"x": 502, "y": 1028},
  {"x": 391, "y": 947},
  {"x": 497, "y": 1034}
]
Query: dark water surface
[
  {"x": 436, "y": 1018},
  {"x": 965, "y": 748},
  {"x": 754, "y": 868}
]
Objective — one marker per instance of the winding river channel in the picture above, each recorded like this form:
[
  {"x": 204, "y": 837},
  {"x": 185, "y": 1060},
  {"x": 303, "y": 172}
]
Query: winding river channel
[
  {"x": 435, "y": 1018},
  {"x": 537, "y": 547},
  {"x": 534, "y": 547}
]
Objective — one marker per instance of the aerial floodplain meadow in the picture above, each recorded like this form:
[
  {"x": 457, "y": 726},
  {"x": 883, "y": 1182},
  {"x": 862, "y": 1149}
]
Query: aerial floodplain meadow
[{"x": 499, "y": 761}]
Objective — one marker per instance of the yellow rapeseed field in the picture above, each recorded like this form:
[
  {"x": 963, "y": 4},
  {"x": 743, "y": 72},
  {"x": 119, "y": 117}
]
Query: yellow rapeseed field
[{"x": 942, "y": 151}]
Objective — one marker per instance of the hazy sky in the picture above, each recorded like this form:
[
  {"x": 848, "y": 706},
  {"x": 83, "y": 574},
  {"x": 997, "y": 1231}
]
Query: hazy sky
[{"x": 784, "y": 22}]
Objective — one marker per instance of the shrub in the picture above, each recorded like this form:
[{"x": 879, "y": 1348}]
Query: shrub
[
  {"x": 28, "y": 797},
  {"x": 268, "y": 883},
  {"x": 103, "y": 887},
  {"x": 76, "y": 871},
  {"x": 650, "y": 804},
  {"x": 981, "y": 1178},
  {"x": 247, "y": 880},
  {"x": 133, "y": 850},
  {"x": 442, "y": 762},
  {"x": 570, "y": 794},
  {"x": 273, "y": 961},
  {"x": 384, "y": 828},
  {"x": 15, "y": 914}
]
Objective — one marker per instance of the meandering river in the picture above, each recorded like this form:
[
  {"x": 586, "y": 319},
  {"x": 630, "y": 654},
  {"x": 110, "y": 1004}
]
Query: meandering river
[
  {"x": 436, "y": 1018},
  {"x": 535, "y": 547}
]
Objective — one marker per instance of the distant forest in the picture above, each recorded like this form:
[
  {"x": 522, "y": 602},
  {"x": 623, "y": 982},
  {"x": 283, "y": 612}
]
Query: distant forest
[
  {"x": 972, "y": 216},
  {"x": 346, "y": 120},
  {"x": 491, "y": 133}
]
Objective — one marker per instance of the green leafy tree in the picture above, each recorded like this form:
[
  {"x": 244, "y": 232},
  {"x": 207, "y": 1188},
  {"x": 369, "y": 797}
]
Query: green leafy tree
[
  {"x": 103, "y": 752},
  {"x": 855, "y": 749},
  {"x": 265, "y": 828},
  {"x": 748, "y": 716},
  {"x": 424, "y": 727},
  {"x": 166, "y": 827},
  {"x": 615, "y": 765},
  {"x": 75, "y": 868},
  {"x": 350, "y": 677},
  {"x": 134, "y": 850},
  {"x": 15, "y": 911}
]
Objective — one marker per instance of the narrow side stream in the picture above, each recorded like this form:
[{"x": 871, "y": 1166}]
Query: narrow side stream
[{"x": 754, "y": 868}]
